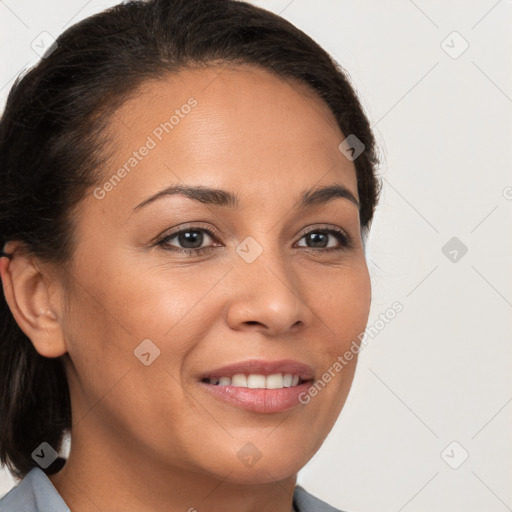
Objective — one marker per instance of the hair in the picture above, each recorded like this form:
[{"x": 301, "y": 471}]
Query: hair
[{"x": 52, "y": 146}]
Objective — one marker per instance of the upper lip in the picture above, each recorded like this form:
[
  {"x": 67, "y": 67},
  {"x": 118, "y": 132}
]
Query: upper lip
[{"x": 262, "y": 367}]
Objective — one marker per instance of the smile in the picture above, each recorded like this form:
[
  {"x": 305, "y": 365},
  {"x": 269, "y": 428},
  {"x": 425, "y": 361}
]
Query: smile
[{"x": 256, "y": 381}]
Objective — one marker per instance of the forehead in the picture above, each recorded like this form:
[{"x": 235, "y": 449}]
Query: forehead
[{"x": 230, "y": 127}]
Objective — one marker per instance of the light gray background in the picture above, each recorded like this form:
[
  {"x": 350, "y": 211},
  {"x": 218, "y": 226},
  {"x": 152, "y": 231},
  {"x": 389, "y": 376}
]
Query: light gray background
[{"x": 441, "y": 370}]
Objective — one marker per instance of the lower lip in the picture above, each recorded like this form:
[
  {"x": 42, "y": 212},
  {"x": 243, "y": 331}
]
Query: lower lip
[{"x": 259, "y": 400}]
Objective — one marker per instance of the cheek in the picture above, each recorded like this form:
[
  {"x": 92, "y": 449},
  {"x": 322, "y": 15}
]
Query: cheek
[
  {"x": 343, "y": 303},
  {"x": 126, "y": 304},
  {"x": 112, "y": 311}
]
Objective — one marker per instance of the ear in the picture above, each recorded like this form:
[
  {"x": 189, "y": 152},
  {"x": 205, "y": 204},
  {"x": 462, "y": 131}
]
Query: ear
[{"x": 33, "y": 295}]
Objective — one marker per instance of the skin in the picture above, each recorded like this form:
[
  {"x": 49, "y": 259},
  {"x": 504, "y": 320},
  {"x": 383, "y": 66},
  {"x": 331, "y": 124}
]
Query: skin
[{"x": 147, "y": 438}]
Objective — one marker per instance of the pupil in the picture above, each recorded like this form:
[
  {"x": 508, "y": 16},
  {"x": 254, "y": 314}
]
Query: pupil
[
  {"x": 315, "y": 237},
  {"x": 195, "y": 238}
]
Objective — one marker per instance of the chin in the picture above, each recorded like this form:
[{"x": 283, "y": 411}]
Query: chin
[
  {"x": 264, "y": 474},
  {"x": 248, "y": 467}
]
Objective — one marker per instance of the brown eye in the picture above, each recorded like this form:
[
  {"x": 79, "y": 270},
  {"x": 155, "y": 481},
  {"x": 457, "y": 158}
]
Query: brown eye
[
  {"x": 319, "y": 239},
  {"x": 191, "y": 240}
]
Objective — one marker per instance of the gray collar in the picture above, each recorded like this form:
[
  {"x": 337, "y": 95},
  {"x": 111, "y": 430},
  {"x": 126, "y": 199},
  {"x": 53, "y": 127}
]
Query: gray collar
[{"x": 36, "y": 493}]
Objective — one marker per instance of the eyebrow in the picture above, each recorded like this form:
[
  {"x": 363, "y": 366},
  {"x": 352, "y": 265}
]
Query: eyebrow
[{"x": 218, "y": 197}]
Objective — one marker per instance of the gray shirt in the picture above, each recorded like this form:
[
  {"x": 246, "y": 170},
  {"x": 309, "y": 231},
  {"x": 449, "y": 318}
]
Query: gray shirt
[{"x": 36, "y": 493}]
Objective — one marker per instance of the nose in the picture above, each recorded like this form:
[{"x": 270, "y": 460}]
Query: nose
[{"x": 267, "y": 296}]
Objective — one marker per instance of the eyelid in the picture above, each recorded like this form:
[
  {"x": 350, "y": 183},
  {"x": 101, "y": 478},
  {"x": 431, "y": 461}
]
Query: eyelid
[
  {"x": 189, "y": 226},
  {"x": 322, "y": 227},
  {"x": 345, "y": 244}
]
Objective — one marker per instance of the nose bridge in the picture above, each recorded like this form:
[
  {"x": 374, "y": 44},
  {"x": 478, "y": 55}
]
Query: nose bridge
[
  {"x": 264, "y": 257},
  {"x": 261, "y": 253}
]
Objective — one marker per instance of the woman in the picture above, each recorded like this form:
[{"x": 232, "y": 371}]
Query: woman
[{"x": 187, "y": 187}]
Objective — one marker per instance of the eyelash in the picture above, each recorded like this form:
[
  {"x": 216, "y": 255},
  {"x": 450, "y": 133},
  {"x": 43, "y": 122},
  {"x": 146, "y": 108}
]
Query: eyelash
[{"x": 344, "y": 239}]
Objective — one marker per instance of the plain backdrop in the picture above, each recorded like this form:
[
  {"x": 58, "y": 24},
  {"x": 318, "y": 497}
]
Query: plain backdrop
[{"x": 428, "y": 420}]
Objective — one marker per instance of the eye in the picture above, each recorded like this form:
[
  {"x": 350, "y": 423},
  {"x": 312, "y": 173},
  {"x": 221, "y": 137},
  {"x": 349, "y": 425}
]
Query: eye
[
  {"x": 320, "y": 239},
  {"x": 192, "y": 238}
]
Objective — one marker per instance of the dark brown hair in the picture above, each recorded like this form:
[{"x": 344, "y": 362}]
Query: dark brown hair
[{"x": 51, "y": 150}]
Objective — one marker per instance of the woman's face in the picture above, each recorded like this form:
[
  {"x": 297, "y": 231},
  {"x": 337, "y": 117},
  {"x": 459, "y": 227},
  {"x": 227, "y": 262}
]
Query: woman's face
[{"x": 145, "y": 322}]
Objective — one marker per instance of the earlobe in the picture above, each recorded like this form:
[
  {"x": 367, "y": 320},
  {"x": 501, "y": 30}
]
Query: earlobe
[{"x": 28, "y": 293}]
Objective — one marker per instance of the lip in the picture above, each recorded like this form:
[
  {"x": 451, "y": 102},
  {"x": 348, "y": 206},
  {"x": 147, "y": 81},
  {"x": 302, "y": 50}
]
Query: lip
[
  {"x": 259, "y": 400},
  {"x": 256, "y": 399},
  {"x": 262, "y": 367}
]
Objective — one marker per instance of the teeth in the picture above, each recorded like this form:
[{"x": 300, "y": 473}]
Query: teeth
[
  {"x": 256, "y": 381},
  {"x": 274, "y": 381},
  {"x": 239, "y": 380},
  {"x": 253, "y": 381},
  {"x": 287, "y": 380}
]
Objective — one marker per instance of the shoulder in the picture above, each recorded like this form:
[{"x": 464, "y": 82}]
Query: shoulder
[
  {"x": 305, "y": 502},
  {"x": 35, "y": 493}
]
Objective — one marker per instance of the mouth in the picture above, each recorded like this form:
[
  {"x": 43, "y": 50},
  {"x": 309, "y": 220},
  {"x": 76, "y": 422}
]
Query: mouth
[
  {"x": 259, "y": 386},
  {"x": 257, "y": 381}
]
